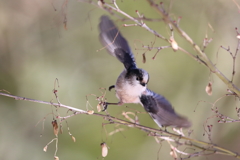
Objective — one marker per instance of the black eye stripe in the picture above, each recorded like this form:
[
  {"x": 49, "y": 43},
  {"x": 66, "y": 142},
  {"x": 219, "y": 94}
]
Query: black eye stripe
[{"x": 138, "y": 74}]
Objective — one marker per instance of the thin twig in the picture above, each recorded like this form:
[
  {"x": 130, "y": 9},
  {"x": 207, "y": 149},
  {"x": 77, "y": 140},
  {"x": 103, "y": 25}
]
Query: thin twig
[
  {"x": 201, "y": 54},
  {"x": 194, "y": 142}
]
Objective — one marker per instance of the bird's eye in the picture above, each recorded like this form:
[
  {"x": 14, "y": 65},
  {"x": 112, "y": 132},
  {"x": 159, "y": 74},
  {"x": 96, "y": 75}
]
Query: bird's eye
[{"x": 137, "y": 79}]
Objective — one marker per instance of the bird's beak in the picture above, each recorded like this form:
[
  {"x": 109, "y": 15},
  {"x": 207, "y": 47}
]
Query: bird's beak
[{"x": 143, "y": 84}]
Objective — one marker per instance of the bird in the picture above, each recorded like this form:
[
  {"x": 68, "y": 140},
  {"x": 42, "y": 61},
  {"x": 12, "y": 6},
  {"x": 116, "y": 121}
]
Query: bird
[{"x": 131, "y": 85}]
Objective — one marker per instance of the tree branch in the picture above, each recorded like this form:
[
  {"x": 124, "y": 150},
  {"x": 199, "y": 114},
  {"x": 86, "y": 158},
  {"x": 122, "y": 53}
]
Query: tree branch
[
  {"x": 203, "y": 146},
  {"x": 201, "y": 54}
]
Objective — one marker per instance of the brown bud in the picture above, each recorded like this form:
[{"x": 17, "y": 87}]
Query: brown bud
[
  {"x": 55, "y": 127},
  {"x": 144, "y": 58}
]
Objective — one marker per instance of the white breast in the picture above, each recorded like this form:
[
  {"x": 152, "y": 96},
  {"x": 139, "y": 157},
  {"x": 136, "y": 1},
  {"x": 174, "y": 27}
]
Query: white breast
[{"x": 126, "y": 92}]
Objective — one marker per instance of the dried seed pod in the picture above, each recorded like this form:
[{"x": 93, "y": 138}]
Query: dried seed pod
[
  {"x": 238, "y": 36},
  {"x": 100, "y": 3},
  {"x": 45, "y": 148},
  {"x": 209, "y": 89},
  {"x": 104, "y": 149},
  {"x": 74, "y": 139},
  {"x": 99, "y": 109},
  {"x": 173, "y": 44},
  {"x": 173, "y": 154},
  {"x": 90, "y": 112},
  {"x": 56, "y": 158},
  {"x": 55, "y": 127},
  {"x": 144, "y": 58}
]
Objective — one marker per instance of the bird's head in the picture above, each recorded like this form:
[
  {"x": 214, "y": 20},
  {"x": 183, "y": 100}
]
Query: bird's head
[{"x": 138, "y": 77}]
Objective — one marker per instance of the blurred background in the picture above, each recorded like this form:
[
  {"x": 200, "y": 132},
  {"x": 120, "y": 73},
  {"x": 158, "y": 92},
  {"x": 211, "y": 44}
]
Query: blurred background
[{"x": 36, "y": 47}]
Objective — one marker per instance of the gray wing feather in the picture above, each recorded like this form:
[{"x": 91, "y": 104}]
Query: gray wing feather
[
  {"x": 115, "y": 43},
  {"x": 162, "y": 111}
]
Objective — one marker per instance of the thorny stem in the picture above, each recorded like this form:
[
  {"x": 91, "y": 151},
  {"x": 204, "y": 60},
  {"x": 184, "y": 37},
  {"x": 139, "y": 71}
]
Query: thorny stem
[{"x": 196, "y": 143}]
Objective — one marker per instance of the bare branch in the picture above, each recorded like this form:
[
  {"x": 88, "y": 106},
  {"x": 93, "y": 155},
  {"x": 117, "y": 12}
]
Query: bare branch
[
  {"x": 201, "y": 54},
  {"x": 204, "y": 146}
]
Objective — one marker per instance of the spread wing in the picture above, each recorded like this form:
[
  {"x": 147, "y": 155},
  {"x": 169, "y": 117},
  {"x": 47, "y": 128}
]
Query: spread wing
[
  {"x": 115, "y": 43},
  {"x": 161, "y": 111}
]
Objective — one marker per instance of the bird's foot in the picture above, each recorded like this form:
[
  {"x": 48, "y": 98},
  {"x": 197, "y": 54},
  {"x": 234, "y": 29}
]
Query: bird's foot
[
  {"x": 105, "y": 105},
  {"x": 165, "y": 128}
]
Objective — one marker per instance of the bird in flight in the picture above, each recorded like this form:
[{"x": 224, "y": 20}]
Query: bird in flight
[{"x": 131, "y": 85}]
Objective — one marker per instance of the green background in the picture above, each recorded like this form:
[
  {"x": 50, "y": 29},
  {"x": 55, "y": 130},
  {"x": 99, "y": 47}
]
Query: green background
[{"x": 35, "y": 49}]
